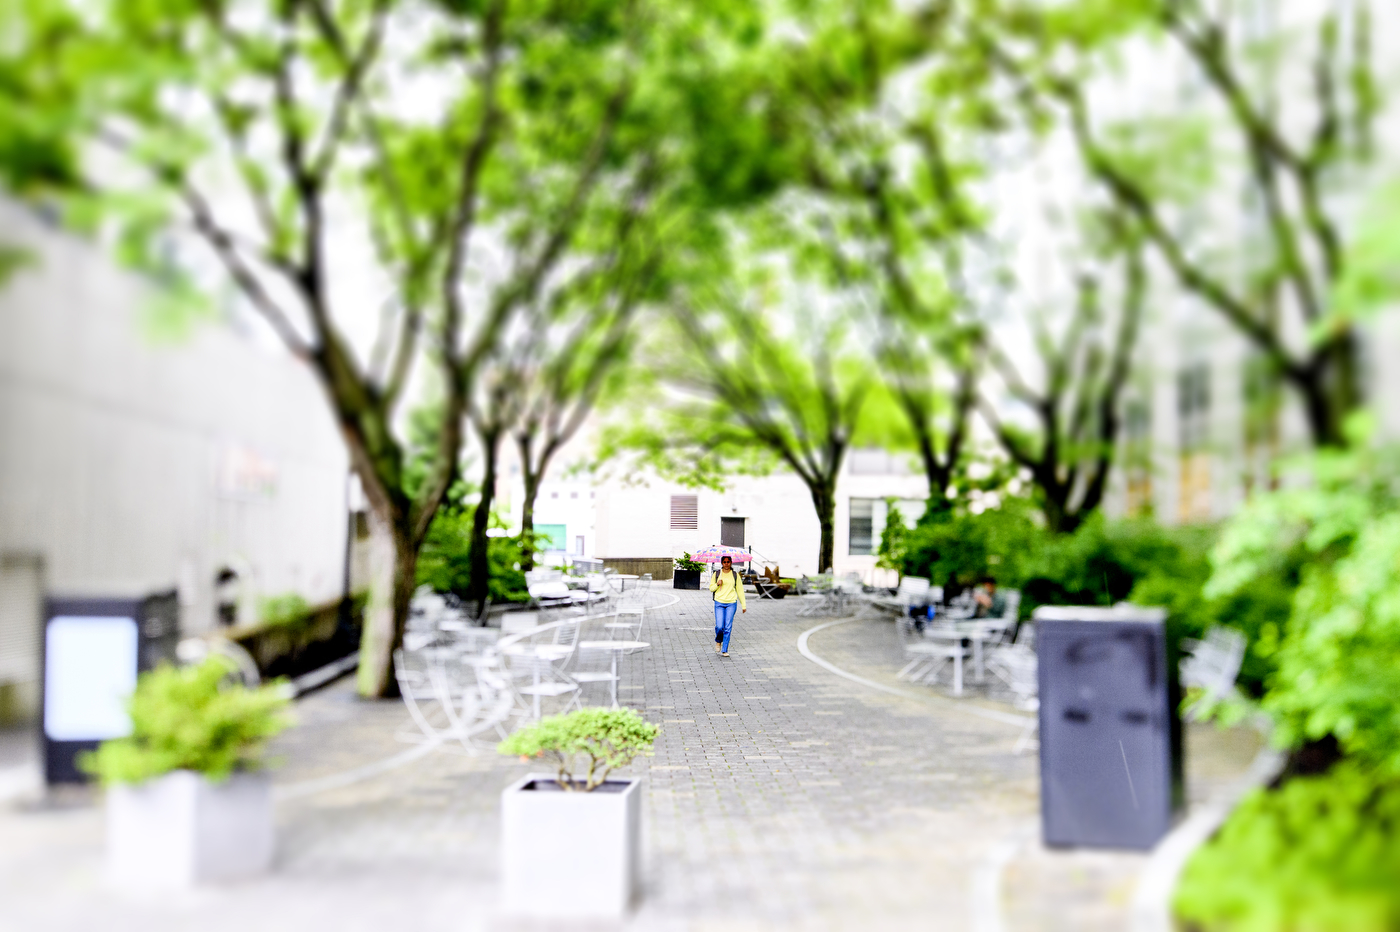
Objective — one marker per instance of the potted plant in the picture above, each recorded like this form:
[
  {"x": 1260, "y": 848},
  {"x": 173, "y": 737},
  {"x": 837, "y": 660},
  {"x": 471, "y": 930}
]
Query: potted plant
[
  {"x": 186, "y": 802},
  {"x": 570, "y": 845},
  {"x": 687, "y": 573}
]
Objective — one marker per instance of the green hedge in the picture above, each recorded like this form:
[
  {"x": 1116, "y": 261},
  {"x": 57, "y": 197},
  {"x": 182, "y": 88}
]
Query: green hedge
[
  {"x": 1101, "y": 563},
  {"x": 1319, "y": 854},
  {"x": 1321, "y": 851},
  {"x": 444, "y": 563}
]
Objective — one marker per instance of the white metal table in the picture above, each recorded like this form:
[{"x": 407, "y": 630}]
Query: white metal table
[
  {"x": 966, "y": 631},
  {"x": 616, "y": 647}
]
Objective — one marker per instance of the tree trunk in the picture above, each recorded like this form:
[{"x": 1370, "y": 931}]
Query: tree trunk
[
  {"x": 392, "y": 565},
  {"x": 824, "y": 500},
  {"x": 527, "y": 519},
  {"x": 480, "y": 586}
]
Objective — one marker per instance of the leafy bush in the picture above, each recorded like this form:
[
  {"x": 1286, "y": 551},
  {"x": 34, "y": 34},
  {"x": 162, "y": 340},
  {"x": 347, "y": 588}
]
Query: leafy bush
[
  {"x": 1321, "y": 853},
  {"x": 1318, "y": 852},
  {"x": 190, "y": 719},
  {"x": 609, "y": 738},
  {"x": 284, "y": 610},
  {"x": 1338, "y": 655},
  {"x": 444, "y": 563},
  {"x": 954, "y": 549},
  {"x": 1101, "y": 563},
  {"x": 686, "y": 563}
]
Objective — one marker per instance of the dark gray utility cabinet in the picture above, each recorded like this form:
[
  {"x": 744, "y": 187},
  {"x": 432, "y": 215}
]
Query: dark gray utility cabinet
[{"x": 1110, "y": 735}]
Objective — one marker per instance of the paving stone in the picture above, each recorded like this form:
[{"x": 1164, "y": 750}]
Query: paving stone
[{"x": 779, "y": 796}]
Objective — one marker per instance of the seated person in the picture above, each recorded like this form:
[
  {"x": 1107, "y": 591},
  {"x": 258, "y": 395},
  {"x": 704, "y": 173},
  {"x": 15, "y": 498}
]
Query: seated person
[{"x": 990, "y": 603}]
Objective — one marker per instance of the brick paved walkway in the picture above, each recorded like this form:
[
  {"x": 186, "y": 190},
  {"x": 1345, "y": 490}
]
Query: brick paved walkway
[{"x": 780, "y": 796}]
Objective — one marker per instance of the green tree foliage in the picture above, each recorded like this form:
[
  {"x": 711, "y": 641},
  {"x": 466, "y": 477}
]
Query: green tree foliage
[
  {"x": 1252, "y": 136},
  {"x": 478, "y": 153},
  {"x": 192, "y": 719},
  {"x": 1320, "y": 853},
  {"x": 607, "y": 738}
]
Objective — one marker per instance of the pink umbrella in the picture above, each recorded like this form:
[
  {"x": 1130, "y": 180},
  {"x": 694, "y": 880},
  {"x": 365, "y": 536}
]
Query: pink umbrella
[{"x": 714, "y": 554}]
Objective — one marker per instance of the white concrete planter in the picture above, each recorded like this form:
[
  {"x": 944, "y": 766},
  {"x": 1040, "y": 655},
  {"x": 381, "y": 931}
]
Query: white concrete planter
[
  {"x": 570, "y": 855},
  {"x": 183, "y": 829}
]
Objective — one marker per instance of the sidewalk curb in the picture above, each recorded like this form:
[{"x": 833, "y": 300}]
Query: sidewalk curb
[{"x": 1151, "y": 907}]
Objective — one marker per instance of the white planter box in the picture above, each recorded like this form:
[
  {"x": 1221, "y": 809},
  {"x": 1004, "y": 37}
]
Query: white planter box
[
  {"x": 182, "y": 829},
  {"x": 570, "y": 855}
]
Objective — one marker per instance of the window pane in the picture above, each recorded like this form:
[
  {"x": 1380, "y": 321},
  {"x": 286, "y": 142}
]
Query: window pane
[{"x": 862, "y": 526}]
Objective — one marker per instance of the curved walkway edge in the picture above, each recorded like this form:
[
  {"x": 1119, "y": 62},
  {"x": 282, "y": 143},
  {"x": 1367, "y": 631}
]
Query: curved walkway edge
[
  {"x": 1151, "y": 908},
  {"x": 1006, "y": 718}
]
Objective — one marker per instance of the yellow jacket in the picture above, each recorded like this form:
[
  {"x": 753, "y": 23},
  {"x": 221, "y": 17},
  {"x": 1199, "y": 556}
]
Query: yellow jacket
[{"x": 727, "y": 588}]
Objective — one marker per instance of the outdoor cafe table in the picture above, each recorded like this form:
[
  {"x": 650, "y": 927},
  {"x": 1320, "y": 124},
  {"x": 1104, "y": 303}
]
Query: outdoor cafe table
[
  {"x": 549, "y": 653},
  {"x": 622, "y": 579},
  {"x": 616, "y": 647},
  {"x": 966, "y": 631}
]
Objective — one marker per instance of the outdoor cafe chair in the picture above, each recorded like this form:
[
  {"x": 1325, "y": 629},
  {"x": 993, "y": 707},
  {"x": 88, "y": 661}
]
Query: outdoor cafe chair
[
  {"x": 1212, "y": 665},
  {"x": 629, "y": 612},
  {"x": 929, "y": 653},
  {"x": 538, "y": 668},
  {"x": 449, "y": 699}
]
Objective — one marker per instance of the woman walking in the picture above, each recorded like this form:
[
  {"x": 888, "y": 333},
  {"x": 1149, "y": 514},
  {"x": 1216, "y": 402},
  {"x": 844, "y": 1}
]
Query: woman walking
[{"x": 729, "y": 595}]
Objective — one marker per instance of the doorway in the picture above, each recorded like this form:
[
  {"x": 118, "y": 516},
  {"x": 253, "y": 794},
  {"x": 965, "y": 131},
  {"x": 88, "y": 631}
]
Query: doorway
[{"x": 731, "y": 532}]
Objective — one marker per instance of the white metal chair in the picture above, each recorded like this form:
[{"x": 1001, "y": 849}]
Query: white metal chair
[
  {"x": 1212, "y": 665},
  {"x": 629, "y": 612},
  {"x": 929, "y": 653},
  {"x": 913, "y": 591}
]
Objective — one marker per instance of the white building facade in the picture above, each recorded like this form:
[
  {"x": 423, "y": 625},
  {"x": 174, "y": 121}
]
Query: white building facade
[{"x": 131, "y": 465}]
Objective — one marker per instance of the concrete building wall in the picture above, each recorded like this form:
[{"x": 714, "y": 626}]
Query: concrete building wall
[
  {"x": 780, "y": 522},
  {"x": 130, "y": 465}
]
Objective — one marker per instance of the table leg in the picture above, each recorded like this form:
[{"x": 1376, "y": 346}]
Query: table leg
[
  {"x": 536, "y": 666},
  {"x": 957, "y": 674},
  {"x": 977, "y": 660}
]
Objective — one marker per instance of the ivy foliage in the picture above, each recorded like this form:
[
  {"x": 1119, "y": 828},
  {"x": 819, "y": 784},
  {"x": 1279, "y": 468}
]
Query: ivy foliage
[
  {"x": 1321, "y": 853},
  {"x": 190, "y": 718},
  {"x": 608, "y": 738},
  {"x": 1338, "y": 655}
]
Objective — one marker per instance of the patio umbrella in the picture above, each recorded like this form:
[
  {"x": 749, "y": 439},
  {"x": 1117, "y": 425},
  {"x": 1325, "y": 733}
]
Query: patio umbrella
[{"x": 713, "y": 555}]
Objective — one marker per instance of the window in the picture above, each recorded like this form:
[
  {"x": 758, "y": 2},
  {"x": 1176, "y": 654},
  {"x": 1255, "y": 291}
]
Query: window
[
  {"x": 877, "y": 462},
  {"x": 1193, "y": 422},
  {"x": 578, "y": 545},
  {"x": 552, "y": 536},
  {"x": 553, "y": 494},
  {"x": 863, "y": 526},
  {"x": 1137, "y": 457},
  {"x": 684, "y": 513},
  {"x": 870, "y": 515},
  {"x": 1193, "y": 405}
]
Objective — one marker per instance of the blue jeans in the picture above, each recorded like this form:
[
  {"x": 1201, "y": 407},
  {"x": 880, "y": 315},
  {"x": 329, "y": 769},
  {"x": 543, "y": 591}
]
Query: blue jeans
[{"x": 724, "y": 622}]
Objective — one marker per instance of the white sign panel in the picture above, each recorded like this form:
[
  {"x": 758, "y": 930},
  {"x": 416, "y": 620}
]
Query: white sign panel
[{"x": 89, "y": 673}]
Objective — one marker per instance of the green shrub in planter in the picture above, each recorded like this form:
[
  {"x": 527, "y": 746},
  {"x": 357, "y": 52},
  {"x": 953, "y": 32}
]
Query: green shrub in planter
[
  {"x": 191, "y": 719},
  {"x": 686, "y": 563},
  {"x": 1319, "y": 854},
  {"x": 608, "y": 738}
]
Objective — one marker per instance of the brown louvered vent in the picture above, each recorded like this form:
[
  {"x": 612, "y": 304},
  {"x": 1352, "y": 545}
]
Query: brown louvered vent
[{"x": 683, "y": 512}]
